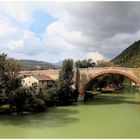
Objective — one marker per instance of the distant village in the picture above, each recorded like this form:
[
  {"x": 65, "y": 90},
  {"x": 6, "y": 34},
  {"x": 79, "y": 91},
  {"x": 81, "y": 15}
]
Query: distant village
[
  {"x": 34, "y": 89},
  {"x": 38, "y": 79}
]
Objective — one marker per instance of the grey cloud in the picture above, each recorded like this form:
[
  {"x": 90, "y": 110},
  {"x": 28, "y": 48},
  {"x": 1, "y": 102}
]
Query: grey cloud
[
  {"x": 102, "y": 21},
  {"x": 105, "y": 18}
]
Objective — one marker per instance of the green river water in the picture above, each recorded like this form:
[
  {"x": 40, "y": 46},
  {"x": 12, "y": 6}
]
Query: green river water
[{"x": 105, "y": 116}]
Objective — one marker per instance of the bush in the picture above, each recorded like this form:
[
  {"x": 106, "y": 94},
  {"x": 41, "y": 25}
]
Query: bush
[
  {"x": 51, "y": 97},
  {"x": 39, "y": 105},
  {"x": 22, "y": 98}
]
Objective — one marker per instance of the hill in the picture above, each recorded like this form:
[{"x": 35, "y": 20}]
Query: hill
[
  {"x": 59, "y": 63},
  {"x": 130, "y": 57},
  {"x": 37, "y": 64}
]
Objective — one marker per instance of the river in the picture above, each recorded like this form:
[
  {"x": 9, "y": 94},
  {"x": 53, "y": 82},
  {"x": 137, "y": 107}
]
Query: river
[{"x": 114, "y": 115}]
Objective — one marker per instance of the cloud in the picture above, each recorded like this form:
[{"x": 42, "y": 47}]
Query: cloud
[
  {"x": 6, "y": 29},
  {"x": 20, "y": 11},
  {"x": 103, "y": 27},
  {"x": 100, "y": 30},
  {"x": 15, "y": 43},
  {"x": 95, "y": 56}
]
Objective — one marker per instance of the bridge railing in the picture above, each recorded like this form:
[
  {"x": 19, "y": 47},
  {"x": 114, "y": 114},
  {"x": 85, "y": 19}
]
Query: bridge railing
[{"x": 112, "y": 68}]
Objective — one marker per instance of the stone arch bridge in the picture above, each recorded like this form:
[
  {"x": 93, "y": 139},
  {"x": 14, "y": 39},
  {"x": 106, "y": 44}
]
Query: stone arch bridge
[{"x": 83, "y": 76}]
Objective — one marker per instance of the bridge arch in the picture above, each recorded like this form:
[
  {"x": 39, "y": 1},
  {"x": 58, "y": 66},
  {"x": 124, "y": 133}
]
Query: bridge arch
[
  {"x": 135, "y": 80},
  {"x": 82, "y": 88},
  {"x": 84, "y": 76}
]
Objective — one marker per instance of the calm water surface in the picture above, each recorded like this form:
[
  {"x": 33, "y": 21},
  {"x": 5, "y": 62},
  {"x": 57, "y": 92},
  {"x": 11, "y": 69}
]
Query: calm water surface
[{"x": 106, "y": 116}]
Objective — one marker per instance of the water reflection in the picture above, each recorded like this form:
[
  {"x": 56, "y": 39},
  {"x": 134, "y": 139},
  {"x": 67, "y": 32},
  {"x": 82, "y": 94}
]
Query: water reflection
[
  {"x": 113, "y": 98},
  {"x": 137, "y": 95},
  {"x": 102, "y": 116},
  {"x": 50, "y": 118}
]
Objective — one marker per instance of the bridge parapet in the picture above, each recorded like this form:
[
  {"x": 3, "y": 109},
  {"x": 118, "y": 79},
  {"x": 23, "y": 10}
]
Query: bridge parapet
[{"x": 106, "y": 68}]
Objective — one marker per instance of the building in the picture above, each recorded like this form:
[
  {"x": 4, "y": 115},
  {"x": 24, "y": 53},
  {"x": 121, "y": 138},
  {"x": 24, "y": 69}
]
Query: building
[
  {"x": 51, "y": 72},
  {"x": 38, "y": 82}
]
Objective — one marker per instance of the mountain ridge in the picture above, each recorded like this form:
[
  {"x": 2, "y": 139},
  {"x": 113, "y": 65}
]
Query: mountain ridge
[
  {"x": 130, "y": 57},
  {"x": 37, "y": 64}
]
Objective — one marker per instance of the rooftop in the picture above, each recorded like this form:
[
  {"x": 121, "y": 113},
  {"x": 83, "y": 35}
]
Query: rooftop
[{"x": 43, "y": 78}]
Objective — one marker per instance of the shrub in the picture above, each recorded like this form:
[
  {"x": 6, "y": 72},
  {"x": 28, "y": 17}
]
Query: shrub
[{"x": 39, "y": 105}]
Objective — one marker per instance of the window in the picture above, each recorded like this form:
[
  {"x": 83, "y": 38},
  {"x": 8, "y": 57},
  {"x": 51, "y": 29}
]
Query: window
[{"x": 34, "y": 84}]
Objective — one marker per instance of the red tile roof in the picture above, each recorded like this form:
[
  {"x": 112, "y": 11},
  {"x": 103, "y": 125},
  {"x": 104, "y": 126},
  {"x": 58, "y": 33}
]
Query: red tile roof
[{"x": 43, "y": 78}]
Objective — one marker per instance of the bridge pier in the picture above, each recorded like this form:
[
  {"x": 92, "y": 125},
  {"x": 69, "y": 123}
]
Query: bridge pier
[{"x": 81, "y": 95}]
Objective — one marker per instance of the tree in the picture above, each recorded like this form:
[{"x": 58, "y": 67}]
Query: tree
[
  {"x": 84, "y": 63},
  {"x": 2, "y": 71},
  {"x": 62, "y": 93},
  {"x": 8, "y": 73},
  {"x": 64, "y": 83},
  {"x": 22, "y": 98},
  {"x": 51, "y": 96},
  {"x": 103, "y": 63},
  {"x": 39, "y": 104}
]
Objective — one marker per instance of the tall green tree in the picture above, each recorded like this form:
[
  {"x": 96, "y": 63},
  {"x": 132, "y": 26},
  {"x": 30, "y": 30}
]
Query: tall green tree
[
  {"x": 2, "y": 70},
  {"x": 64, "y": 83},
  {"x": 8, "y": 73},
  {"x": 62, "y": 93}
]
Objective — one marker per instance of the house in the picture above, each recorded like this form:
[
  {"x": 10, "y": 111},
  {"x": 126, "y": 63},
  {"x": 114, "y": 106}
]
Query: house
[{"x": 38, "y": 82}]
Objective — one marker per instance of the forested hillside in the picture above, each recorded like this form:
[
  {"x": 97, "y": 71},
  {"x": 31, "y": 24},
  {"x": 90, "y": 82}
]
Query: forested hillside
[
  {"x": 130, "y": 57},
  {"x": 37, "y": 64}
]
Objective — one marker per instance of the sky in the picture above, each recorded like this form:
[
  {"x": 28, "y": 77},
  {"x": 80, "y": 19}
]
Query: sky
[{"x": 54, "y": 31}]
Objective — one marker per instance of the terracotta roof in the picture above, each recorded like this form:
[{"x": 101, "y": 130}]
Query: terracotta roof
[{"x": 43, "y": 78}]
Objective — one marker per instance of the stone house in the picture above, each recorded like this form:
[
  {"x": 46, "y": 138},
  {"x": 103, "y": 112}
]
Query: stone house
[{"x": 38, "y": 82}]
